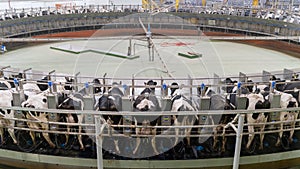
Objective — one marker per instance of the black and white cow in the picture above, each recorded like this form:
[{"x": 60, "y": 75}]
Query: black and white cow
[
  {"x": 280, "y": 83},
  {"x": 287, "y": 117},
  {"x": 112, "y": 101},
  {"x": 181, "y": 103},
  {"x": 219, "y": 102},
  {"x": 289, "y": 97},
  {"x": 38, "y": 101},
  {"x": 63, "y": 85},
  {"x": 232, "y": 87},
  {"x": 6, "y": 99},
  {"x": 73, "y": 102},
  {"x": 146, "y": 101},
  {"x": 254, "y": 102}
]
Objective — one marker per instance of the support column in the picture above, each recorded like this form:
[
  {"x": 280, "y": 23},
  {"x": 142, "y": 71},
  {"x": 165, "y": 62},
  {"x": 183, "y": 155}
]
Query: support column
[
  {"x": 238, "y": 142},
  {"x": 204, "y": 103},
  {"x": 52, "y": 102},
  {"x": 88, "y": 102},
  {"x": 99, "y": 129},
  {"x": 241, "y": 104}
]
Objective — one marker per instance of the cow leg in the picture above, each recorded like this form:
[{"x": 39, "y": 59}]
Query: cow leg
[
  {"x": 138, "y": 139},
  {"x": 251, "y": 136},
  {"x": 224, "y": 143},
  {"x": 11, "y": 123},
  {"x": 67, "y": 135},
  {"x": 281, "y": 129},
  {"x": 295, "y": 116},
  {"x": 46, "y": 136},
  {"x": 262, "y": 135},
  {"x": 186, "y": 130},
  {"x": 176, "y": 123},
  {"x": 224, "y": 139},
  {"x": 153, "y": 141},
  {"x": 215, "y": 133},
  {"x": 215, "y": 138},
  {"x": 32, "y": 135},
  {"x": 80, "y": 120},
  {"x": 68, "y": 128},
  {"x": 138, "y": 142},
  {"x": 116, "y": 142},
  {"x": 12, "y": 134},
  {"x": 45, "y": 126}
]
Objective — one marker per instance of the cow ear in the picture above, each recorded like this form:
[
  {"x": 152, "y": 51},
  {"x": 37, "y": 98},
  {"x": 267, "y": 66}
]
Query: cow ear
[
  {"x": 145, "y": 83},
  {"x": 44, "y": 100}
]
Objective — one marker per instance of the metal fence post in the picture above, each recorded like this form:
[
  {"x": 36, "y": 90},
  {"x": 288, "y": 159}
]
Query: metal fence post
[
  {"x": 99, "y": 140},
  {"x": 238, "y": 142}
]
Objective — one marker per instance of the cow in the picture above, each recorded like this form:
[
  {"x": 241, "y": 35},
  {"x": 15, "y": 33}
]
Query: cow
[
  {"x": 291, "y": 87},
  {"x": 111, "y": 101},
  {"x": 181, "y": 103},
  {"x": 73, "y": 101},
  {"x": 32, "y": 88},
  {"x": 231, "y": 86},
  {"x": 219, "y": 102},
  {"x": 146, "y": 101},
  {"x": 38, "y": 101},
  {"x": 6, "y": 101},
  {"x": 254, "y": 102},
  {"x": 280, "y": 83},
  {"x": 287, "y": 117}
]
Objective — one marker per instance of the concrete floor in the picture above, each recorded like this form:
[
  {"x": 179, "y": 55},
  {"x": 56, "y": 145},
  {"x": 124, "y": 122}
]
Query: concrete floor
[{"x": 222, "y": 58}]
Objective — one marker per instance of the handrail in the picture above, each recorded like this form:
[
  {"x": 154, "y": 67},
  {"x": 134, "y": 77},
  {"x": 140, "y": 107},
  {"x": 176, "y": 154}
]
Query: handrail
[
  {"x": 250, "y": 76},
  {"x": 169, "y": 134}
]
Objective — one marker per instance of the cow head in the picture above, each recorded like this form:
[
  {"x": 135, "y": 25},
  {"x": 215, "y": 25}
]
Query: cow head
[
  {"x": 43, "y": 83},
  {"x": 11, "y": 78},
  {"x": 151, "y": 88},
  {"x": 115, "y": 90},
  {"x": 174, "y": 87},
  {"x": 228, "y": 81},
  {"x": 97, "y": 83},
  {"x": 68, "y": 83},
  {"x": 279, "y": 83}
]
